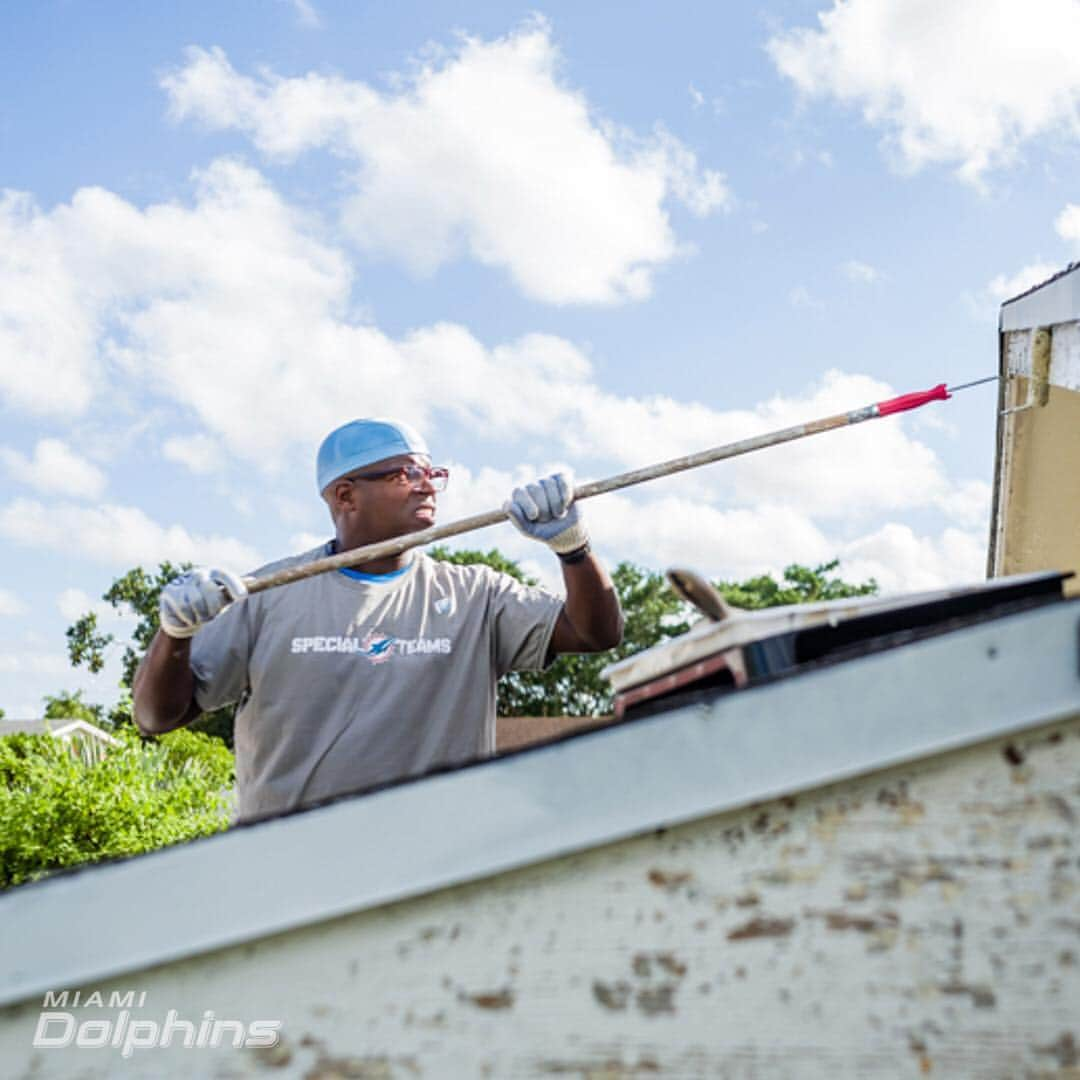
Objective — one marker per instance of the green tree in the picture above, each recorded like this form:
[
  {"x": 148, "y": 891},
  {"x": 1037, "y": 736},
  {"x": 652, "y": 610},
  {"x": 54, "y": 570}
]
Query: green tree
[
  {"x": 59, "y": 809},
  {"x": 135, "y": 593},
  {"x": 70, "y": 706},
  {"x": 799, "y": 585},
  {"x": 572, "y": 685}
]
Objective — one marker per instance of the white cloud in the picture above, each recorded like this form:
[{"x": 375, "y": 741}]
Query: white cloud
[
  {"x": 121, "y": 536},
  {"x": 217, "y": 307},
  {"x": 964, "y": 83},
  {"x": 851, "y": 473},
  {"x": 227, "y": 313},
  {"x": 200, "y": 453},
  {"x": 55, "y": 467},
  {"x": 968, "y": 504},
  {"x": 660, "y": 530},
  {"x": 48, "y": 359},
  {"x": 1068, "y": 224},
  {"x": 873, "y": 467},
  {"x": 30, "y": 672},
  {"x": 669, "y": 522},
  {"x": 484, "y": 150},
  {"x": 307, "y": 541},
  {"x": 860, "y": 272},
  {"x": 34, "y": 663},
  {"x": 10, "y": 604},
  {"x": 902, "y": 561},
  {"x": 1005, "y": 286},
  {"x": 230, "y": 312},
  {"x": 73, "y": 603}
]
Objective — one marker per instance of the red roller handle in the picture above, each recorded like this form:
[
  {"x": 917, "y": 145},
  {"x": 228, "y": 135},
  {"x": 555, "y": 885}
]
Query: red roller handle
[{"x": 912, "y": 401}]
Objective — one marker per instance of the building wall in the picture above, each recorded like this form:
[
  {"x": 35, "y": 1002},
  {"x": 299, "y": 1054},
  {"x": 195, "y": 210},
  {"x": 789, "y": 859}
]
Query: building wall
[
  {"x": 517, "y": 732},
  {"x": 918, "y": 921},
  {"x": 1038, "y": 504}
]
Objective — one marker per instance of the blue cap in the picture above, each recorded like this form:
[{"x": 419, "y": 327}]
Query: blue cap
[{"x": 363, "y": 442}]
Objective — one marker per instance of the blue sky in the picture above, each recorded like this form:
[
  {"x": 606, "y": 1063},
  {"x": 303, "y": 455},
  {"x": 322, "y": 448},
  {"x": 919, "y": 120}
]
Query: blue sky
[{"x": 579, "y": 235}]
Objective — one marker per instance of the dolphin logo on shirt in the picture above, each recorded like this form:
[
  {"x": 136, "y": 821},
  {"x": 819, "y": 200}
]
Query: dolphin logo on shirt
[{"x": 378, "y": 649}]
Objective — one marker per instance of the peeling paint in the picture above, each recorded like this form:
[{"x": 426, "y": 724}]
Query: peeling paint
[
  {"x": 1064, "y": 1051},
  {"x": 614, "y": 996},
  {"x": 611, "y": 1069},
  {"x": 671, "y": 964},
  {"x": 654, "y": 1000},
  {"x": 864, "y": 924},
  {"x": 274, "y": 1057},
  {"x": 1012, "y": 754},
  {"x": 761, "y": 927},
  {"x": 495, "y": 999},
  {"x": 663, "y": 879},
  {"x": 362, "y": 1068},
  {"x": 982, "y": 997}
]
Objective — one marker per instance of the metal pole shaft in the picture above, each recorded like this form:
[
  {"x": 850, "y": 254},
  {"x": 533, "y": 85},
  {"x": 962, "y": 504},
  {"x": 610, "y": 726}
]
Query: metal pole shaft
[{"x": 399, "y": 544}]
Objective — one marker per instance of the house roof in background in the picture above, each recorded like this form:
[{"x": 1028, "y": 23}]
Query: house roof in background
[{"x": 60, "y": 727}]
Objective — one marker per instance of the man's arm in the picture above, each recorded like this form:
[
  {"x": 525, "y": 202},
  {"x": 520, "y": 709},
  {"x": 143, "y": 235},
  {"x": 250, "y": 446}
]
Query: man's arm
[
  {"x": 164, "y": 688},
  {"x": 591, "y": 619}
]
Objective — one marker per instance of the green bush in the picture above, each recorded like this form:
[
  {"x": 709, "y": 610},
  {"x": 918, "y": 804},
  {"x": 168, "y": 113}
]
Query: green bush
[{"x": 58, "y": 809}]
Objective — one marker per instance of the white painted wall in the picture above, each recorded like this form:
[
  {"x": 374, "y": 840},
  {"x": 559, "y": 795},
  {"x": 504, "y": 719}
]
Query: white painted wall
[{"x": 923, "y": 920}]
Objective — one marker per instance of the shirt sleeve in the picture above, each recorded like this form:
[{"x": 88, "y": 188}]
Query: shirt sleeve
[
  {"x": 220, "y": 651},
  {"x": 524, "y": 619}
]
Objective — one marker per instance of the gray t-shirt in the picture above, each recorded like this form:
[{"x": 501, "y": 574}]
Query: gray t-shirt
[{"x": 345, "y": 683}]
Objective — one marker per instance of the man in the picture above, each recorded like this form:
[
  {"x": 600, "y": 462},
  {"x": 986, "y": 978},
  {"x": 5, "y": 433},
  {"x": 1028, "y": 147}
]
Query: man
[{"x": 362, "y": 676}]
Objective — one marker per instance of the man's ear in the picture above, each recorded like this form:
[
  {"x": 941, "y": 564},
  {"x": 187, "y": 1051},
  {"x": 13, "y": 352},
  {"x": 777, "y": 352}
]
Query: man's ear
[{"x": 341, "y": 495}]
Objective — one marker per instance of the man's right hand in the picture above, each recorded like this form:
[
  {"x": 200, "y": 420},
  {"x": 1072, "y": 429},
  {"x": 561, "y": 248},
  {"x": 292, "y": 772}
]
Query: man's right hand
[{"x": 194, "y": 598}]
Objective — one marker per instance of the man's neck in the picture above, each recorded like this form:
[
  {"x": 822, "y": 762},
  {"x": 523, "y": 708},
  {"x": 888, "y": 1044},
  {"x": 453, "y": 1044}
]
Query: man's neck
[{"x": 386, "y": 565}]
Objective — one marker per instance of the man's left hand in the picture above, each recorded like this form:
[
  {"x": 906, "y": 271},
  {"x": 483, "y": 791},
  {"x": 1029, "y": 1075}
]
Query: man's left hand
[{"x": 545, "y": 510}]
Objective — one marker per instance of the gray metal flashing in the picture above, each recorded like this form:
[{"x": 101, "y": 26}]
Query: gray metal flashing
[
  {"x": 1054, "y": 301},
  {"x": 823, "y": 725}
]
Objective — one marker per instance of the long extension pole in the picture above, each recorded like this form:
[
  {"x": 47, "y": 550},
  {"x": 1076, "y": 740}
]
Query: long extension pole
[{"x": 395, "y": 546}]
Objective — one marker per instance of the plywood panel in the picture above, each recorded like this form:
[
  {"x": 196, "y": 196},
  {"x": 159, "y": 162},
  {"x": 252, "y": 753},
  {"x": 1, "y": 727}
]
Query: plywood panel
[{"x": 1040, "y": 506}]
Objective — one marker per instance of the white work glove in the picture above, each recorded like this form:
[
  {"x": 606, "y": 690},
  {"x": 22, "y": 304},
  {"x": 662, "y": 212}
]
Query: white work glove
[
  {"x": 544, "y": 510},
  {"x": 194, "y": 598}
]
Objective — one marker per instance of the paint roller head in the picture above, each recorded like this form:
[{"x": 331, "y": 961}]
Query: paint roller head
[{"x": 693, "y": 588}]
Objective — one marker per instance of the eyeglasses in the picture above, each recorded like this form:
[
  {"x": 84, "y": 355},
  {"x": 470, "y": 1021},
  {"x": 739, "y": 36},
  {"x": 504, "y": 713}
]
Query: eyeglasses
[{"x": 413, "y": 475}]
